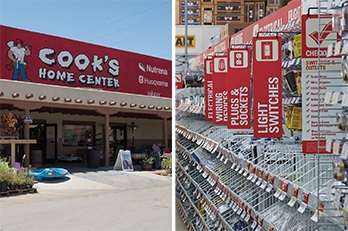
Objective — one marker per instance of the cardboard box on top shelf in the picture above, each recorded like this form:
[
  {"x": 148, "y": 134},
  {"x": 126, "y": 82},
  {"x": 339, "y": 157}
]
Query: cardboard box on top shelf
[{"x": 232, "y": 28}]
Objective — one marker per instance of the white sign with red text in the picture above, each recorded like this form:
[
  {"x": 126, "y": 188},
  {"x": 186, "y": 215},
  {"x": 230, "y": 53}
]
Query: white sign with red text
[{"x": 315, "y": 87}]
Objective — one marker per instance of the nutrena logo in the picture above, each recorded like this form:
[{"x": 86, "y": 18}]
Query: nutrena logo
[
  {"x": 149, "y": 68},
  {"x": 142, "y": 67}
]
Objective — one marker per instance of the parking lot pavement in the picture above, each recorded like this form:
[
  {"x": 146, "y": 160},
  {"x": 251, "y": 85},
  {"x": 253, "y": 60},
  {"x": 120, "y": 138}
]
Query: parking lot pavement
[{"x": 88, "y": 200}]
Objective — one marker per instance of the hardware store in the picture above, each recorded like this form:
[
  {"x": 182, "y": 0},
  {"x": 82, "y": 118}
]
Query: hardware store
[
  {"x": 64, "y": 93},
  {"x": 262, "y": 146}
]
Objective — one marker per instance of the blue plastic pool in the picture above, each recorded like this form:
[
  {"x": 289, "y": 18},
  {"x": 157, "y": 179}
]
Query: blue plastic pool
[{"x": 48, "y": 173}]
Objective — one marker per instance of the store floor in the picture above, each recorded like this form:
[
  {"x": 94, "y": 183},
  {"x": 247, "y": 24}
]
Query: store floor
[{"x": 179, "y": 224}]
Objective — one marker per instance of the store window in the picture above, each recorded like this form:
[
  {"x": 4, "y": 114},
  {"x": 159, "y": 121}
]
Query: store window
[
  {"x": 78, "y": 134},
  {"x": 273, "y": 2}
]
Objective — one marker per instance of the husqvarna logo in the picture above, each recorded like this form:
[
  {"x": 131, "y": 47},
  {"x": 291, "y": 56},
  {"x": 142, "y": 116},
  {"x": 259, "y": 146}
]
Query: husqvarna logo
[{"x": 141, "y": 79}]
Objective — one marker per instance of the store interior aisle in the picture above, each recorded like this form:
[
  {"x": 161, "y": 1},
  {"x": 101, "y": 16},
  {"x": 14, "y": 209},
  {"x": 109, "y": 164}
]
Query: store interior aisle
[{"x": 179, "y": 224}]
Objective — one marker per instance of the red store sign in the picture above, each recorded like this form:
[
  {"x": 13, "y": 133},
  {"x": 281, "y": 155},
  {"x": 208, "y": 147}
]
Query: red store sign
[
  {"x": 46, "y": 59},
  {"x": 239, "y": 88},
  {"x": 267, "y": 78},
  {"x": 220, "y": 90}
]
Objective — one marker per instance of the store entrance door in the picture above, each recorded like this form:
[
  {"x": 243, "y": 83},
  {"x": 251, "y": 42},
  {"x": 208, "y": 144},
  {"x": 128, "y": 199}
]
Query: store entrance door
[
  {"x": 51, "y": 143},
  {"x": 118, "y": 140}
]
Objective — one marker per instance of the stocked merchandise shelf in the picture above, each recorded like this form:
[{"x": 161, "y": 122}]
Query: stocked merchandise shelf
[{"x": 253, "y": 184}]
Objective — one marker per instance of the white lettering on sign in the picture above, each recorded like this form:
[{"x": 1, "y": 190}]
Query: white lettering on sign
[
  {"x": 268, "y": 116},
  {"x": 221, "y": 106},
  {"x": 294, "y": 14},
  {"x": 237, "y": 39},
  {"x": 239, "y": 106},
  {"x": 210, "y": 99},
  {"x": 272, "y": 26},
  {"x": 81, "y": 61}
]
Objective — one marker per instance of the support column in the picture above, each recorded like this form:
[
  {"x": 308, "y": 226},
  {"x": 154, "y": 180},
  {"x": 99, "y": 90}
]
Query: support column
[
  {"x": 26, "y": 136},
  {"x": 165, "y": 132},
  {"x": 106, "y": 140}
]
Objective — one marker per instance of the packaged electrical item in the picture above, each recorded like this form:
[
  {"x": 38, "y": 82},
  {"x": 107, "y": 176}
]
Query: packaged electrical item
[
  {"x": 290, "y": 81},
  {"x": 297, "y": 40},
  {"x": 296, "y": 118},
  {"x": 344, "y": 68},
  {"x": 299, "y": 83}
]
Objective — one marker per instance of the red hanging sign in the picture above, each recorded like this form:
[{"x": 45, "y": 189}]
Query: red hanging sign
[
  {"x": 267, "y": 76},
  {"x": 208, "y": 89},
  {"x": 238, "y": 83},
  {"x": 220, "y": 90}
]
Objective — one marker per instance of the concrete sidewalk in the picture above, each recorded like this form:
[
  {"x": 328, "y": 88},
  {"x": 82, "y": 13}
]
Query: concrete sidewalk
[{"x": 92, "y": 199}]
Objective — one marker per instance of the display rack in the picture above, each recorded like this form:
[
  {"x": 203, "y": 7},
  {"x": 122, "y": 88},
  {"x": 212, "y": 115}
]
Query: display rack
[{"x": 244, "y": 189}]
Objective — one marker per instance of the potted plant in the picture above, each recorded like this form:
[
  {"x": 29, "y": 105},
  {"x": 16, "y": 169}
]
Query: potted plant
[
  {"x": 4, "y": 175},
  {"x": 12, "y": 176},
  {"x": 167, "y": 166},
  {"x": 20, "y": 180},
  {"x": 147, "y": 162}
]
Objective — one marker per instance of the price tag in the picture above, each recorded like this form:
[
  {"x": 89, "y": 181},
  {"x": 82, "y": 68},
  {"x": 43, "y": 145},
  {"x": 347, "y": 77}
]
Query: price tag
[
  {"x": 328, "y": 95},
  {"x": 328, "y": 145},
  {"x": 220, "y": 228},
  {"x": 259, "y": 182},
  {"x": 239, "y": 211},
  {"x": 205, "y": 175},
  {"x": 198, "y": 195},
  {"x": 269, "y": 188},
  {"x": 335, "y": 97},
  {"x": 201, "y": 170},
  {"x": 186, "y": 167},
  {"x": 254, "y": 178},
  {"x": 253, "y": 225},
  {"x": 250, "y": 176},
  {"x": 245, "y": 173},
  {"x": 233, "y": 166},
  {"x": 344, "y": 154},
  {"x": 278, "y": 192},
  {"x": 226, "y": 161},
  {"x": 345, "y": 100},
  {"x": 263, "y": 185},
  {"x": 247, "y": 218},
  {"x": 243, "y": 215},
  {"x": 293, "y": 199},
  {"x": 304, "y": 203},
  {"x": 282, "y": 196},
  {"x": 235, "y": 208},
  {"x": 240, "y": 171},
  {"x": 237, "y": 168},
  {"x": 224, "y": 197},
  {"x": 258, "y": 228},
  {"x": 315, "y": 217},
  {"x": 222, "y": 158}
]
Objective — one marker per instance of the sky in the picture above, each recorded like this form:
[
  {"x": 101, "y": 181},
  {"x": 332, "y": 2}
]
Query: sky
[{"x": 140, "y": 26}]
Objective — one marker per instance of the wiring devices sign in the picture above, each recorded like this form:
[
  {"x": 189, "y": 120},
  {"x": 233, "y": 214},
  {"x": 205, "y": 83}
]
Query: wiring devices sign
[
  {"x": 208, "y": 90},
  {"x": 267, "y": 87},
  {"x": 238, "y": 83},
  {"x": 220, "y": 90},
  {"x": 319, "y": 78}
]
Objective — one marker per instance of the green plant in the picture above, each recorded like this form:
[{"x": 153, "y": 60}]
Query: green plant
[
  {"x": 149, "y": 160},
  {"x": 4, "y": 170},
  {"x": 167, "y": 165},
  {"x": 21, "y": 178}
]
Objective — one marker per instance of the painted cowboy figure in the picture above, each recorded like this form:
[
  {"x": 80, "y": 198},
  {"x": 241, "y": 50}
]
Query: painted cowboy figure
[{"x": 16, "y": 54}]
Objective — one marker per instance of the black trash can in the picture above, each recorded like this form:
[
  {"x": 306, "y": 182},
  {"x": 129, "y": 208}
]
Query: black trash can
[{"x": 93, "y": 158}]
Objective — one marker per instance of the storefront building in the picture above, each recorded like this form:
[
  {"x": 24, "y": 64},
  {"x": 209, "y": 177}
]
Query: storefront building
[{"x": 64, "y": 93}]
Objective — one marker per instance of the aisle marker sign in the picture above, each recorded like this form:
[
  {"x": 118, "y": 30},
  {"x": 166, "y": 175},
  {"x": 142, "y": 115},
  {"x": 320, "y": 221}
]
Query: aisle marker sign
[
  {"x": 267, "y": 86},
  {"x": 208, "y": 90},
  {"x": 220, "y": 90},
  {"x": 238, "y": 82}
]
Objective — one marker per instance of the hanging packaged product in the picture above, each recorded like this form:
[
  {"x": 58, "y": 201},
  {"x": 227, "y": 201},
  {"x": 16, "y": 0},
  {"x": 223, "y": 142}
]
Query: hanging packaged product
[
  {"x": 344, "y": 68},
  {"x": 344, "y": 21},
  {"x": 288, "y": 112},
  {"x": 336, "y": 20},
  {"x": 297, "y": 40},
  {"x": 296, "y": 118},
  {"x": 299, "y": 83},
  {"x": 341, "y": 119}
]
